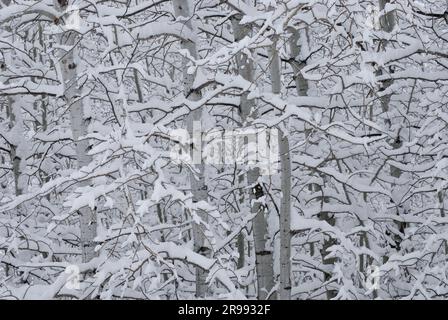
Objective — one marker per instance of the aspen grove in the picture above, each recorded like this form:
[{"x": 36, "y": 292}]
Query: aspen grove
[{"x": 349, "y": 96}]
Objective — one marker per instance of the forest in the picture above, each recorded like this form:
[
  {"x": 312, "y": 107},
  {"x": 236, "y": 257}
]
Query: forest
[{"x": 223, "y": 149}]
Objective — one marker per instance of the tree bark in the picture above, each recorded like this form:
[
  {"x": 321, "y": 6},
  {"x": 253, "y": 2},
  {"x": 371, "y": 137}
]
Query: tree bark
[
  {"x": 87, "y": 216},
  {"x": 263, "y": 254},
  {"x": 302, "y": 90},
  {"x": 197, "y": 182},
  {"x": 284, "y": 290}
]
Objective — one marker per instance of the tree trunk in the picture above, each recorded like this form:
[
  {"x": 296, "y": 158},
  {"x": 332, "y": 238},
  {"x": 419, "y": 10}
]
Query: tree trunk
[
  {"x": 17, "y": 144},
  {"x": 263, "y": 254},
  {"x": 78, "y": 124},
  {"x": 284, "y": 290},
  {"x": 198, "y": 187},
  {"x": 13, "y": 111},
  {"x": 387, "y": 23},
  {"x": 302, "y": 90}
]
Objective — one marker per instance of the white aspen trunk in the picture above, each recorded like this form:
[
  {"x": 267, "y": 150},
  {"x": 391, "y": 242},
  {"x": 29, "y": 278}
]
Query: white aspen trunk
[
  {"x": 284, "y": 290},
  {"x": 387, "y": 23},
  {"x": 17, "y": 133},
  {"x": 301, "y": 82},
  {"x": 68, "y": 62},
  {"x": 263, "y": 254},
  {"x": 17, "y": 144},
  {"x": 198, "y": 187},
  {"x": 302, "y": 90}
]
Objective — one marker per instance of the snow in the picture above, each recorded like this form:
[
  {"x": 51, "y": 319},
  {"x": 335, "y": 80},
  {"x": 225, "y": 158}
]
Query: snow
[{"x": 88, "y": 123}]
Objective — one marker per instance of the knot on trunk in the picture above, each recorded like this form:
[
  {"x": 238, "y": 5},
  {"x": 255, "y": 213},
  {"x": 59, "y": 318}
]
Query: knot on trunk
[
  {"x": 63, "y": 3},
  {"x": 258, "y": 191}
]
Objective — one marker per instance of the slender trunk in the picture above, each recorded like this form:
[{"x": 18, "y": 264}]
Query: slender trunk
[
  {"x": 68, "y": 63},
  {"x": 284, "y": 290},
  {"x": 17, "y": 136},
  {"x": 241, "y": 251},
  {"x": 13, "y": 111},
  {"x": 198, "y": 187},
  {"x": 300, "y": 81},
  {"x": 263, "y": 254},
  {"x": 302, "y": 90},
  {"x": 387, "y": 24}
]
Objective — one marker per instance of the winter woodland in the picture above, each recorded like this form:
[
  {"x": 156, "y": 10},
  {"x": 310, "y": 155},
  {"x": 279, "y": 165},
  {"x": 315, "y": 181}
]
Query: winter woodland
[{"x": 223, "y": 149}]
